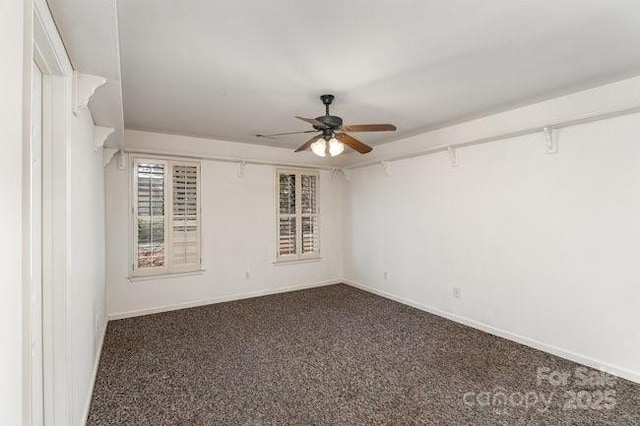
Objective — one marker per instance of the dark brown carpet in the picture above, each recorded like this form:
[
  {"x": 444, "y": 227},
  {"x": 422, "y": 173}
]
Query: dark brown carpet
[{"x": 335, "y": 356}]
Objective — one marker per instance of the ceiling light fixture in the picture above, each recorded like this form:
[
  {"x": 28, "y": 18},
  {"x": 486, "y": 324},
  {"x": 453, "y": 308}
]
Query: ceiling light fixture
[
  {"x": 319, "y": 147},
  {"x": 335, "y": 147},
  {"x": 322, "y": 146}
]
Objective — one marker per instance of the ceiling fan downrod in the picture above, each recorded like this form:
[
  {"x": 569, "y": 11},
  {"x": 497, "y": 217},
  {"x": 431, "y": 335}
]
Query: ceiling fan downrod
[{"x": 327, "y": 100}]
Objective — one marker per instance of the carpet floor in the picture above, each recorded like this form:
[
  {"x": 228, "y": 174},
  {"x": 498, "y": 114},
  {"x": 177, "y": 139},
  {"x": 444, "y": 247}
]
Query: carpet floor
[{"x": 338, "y": 356}]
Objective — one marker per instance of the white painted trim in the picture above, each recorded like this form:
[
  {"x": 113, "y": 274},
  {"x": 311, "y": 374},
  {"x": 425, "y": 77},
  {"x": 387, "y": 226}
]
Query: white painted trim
[
  {"x": 165, "y": 276},
  {"x": 50, "y": 54},
  {"x": 100, "y": 135},
  {"x": 96, "y": 364},
  {"x": 221, "y": 299},
  {"x": 297, "y": 261},
  {"x": 115, "y": 34},
  {"x": 201, "y": 156},
  {"x": 34, "y": 238},
  {"x": 601, "y": 103},
  {"x": 84, "y": 87},
  {"x": 49, "y": 50},
  {"x": 122, "y": 161},
  {"x": 62, "y": 172},
  {"x": 535, "y": 344},
  {"x": 107, "y": 155},
  {"x": 551, "y": 140},
  {"x": 454, "y": 156}
]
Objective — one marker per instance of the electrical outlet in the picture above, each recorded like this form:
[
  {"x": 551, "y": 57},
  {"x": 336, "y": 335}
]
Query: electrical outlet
[
  {"x": 247, "y": 275},
  {"x": 457, "y": 292}
]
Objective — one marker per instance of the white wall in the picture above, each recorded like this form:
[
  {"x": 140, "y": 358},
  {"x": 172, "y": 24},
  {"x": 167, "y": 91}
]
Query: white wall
[
  {"x": 79, "y": 193},
  {"x": 86, "y": 281},
  {"x": 544, "y": 247},
  {"x": 238, "y": 236},
  {"x": 11, "y": 86}
]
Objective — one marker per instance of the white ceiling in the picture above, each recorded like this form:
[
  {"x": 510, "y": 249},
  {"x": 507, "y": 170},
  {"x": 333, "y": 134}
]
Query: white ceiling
[
  {"x": 231, "y": 69},
  {"x": 89, "y": 31}
]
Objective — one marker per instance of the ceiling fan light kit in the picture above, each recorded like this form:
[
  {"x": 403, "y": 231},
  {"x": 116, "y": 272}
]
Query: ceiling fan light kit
[
  {"x": 330, "y": 140},
  {"x": 321, "y": 147},
  {"x": 335, "y": 147}
]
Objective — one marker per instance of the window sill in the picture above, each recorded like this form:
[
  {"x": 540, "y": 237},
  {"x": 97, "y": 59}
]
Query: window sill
[
  {"x": 297, "y": 261},
  {"x": 166, "y": 276}
]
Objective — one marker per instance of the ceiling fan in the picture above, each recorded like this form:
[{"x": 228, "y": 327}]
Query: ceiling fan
[{"x": 332, "y": 138}]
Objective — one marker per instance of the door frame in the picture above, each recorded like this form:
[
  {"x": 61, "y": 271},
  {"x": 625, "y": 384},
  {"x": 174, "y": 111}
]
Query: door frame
[
  {"x": 35, "y": 245},
  {"x": 53, "y": 331}
]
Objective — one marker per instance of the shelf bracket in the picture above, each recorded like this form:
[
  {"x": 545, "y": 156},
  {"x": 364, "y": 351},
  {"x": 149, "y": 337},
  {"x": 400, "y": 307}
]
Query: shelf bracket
[
  {"x": 100, "y": 135},
  {"x": 108, "y": 154},
  {"x": 121, "y": 160},
  {"x": 386, "y": 166},
  {"x": 84, "y": 86},
  {"x": 551, "y": 140},
  {"x": 454, "y": 156}
]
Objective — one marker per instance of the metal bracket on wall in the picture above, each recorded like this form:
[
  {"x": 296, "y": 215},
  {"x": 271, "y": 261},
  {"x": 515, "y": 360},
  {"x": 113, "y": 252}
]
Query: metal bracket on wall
[
  {"x": 386, "y": 166},
  {"x": 84, "y": 86},
  {"x": 550, "y": 140},
  {"x": 454, "y": 156},
  {"x": 241, "y": 167}
]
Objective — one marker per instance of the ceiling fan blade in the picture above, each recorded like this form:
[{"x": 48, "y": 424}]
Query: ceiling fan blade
[
  {"x": 368, "y": 128},
  {"x": 308, "y": 143},
  {"x": 283, "y": 134},
  {"x": 354, "y": 143},
  {"x": 312, "y": 121}
]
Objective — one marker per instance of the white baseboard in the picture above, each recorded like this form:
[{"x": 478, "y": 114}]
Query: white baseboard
[
  {"x": 96, "y": 363},
  {"x": 228, "y": 298},
  {"x": 562, "y": 353}
]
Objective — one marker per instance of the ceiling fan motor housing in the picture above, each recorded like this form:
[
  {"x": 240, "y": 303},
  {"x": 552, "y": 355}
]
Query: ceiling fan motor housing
[{"x": 330, "y": 121}]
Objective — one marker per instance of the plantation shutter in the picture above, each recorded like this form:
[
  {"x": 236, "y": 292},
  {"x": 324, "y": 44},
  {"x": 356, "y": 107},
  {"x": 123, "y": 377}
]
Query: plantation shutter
[
  {"x": 150, "y": 249},
  {"x": 298, "y": 221},
  {"x": 185, "y": 224},
  {"x": 309, "y": 214},
  {"x": 287, "y": 217},
  {"x": 166, "y": 209}
]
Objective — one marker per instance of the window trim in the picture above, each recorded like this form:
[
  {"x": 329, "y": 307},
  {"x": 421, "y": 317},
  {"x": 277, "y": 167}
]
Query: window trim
[
  {"x": 299, "y": 256},
  {"x": 167, "y": 268}
]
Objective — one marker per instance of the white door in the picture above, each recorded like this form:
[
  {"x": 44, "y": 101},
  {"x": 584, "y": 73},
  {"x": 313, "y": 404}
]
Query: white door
[{"x": 35, "y": 246}]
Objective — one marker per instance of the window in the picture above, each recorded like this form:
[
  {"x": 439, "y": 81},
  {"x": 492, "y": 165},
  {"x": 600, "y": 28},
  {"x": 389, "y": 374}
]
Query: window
[
  {"x": 298, "y": 215},
  {"x": 166, "y": 216}
]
